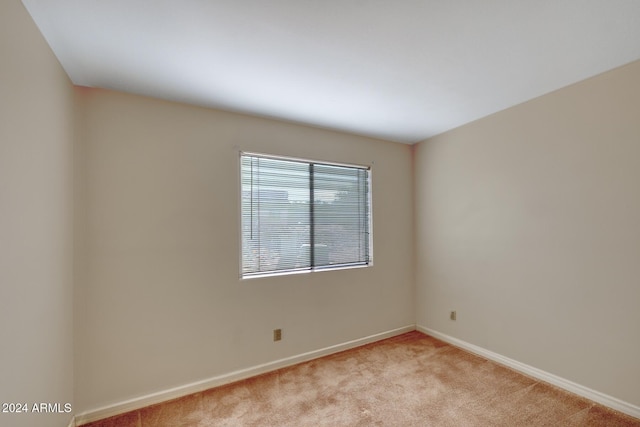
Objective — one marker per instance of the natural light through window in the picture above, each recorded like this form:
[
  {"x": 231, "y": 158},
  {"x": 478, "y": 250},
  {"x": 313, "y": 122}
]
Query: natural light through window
[{"x": 300, "y": 215}]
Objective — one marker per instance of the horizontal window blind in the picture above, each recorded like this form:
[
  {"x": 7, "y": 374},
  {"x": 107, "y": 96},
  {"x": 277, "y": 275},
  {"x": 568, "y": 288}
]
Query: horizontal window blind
[{"x": 302, "y": 215}]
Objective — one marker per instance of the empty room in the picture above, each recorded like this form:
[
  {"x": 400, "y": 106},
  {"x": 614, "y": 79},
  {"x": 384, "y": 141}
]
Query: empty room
[{"x": 319, "y": 213}]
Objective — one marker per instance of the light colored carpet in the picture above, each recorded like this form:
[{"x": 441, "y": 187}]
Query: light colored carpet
[{"x": 409, "y": 380}]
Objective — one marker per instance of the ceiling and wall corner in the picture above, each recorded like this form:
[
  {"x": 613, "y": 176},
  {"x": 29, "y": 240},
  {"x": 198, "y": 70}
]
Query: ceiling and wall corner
[{"x": 401, "y": 71}]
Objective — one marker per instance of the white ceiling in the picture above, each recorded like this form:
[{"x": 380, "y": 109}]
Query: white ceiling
[{"x": 401, "y": 70}]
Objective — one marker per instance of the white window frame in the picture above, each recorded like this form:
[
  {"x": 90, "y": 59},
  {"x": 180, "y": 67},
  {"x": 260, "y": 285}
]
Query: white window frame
[{"x": 311, "y": 269}]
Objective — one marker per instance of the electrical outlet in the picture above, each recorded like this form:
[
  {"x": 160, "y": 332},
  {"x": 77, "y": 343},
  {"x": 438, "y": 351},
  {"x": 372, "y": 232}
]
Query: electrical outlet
[
  {"x": 452, "y": 315},
  {"x": 277, "y": 334}
]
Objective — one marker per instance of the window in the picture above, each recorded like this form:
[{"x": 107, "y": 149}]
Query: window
[{"x": 301, "y": 215}]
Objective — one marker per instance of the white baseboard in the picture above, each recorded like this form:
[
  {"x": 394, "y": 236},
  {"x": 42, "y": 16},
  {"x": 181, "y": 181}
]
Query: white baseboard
[
  {"x": 173, "y": 393},
  {"x": 565, "y": 384}
]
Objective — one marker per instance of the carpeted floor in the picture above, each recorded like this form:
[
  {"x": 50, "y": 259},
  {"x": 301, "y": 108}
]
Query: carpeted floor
[{"x": 409, "y": 380}]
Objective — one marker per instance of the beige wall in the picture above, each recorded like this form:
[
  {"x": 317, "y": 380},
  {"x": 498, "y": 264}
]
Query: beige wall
[
  {"x": 160, "y": 304},
  {"x": 36, "y": 294},
  {"x": 528, "y": 224}
]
